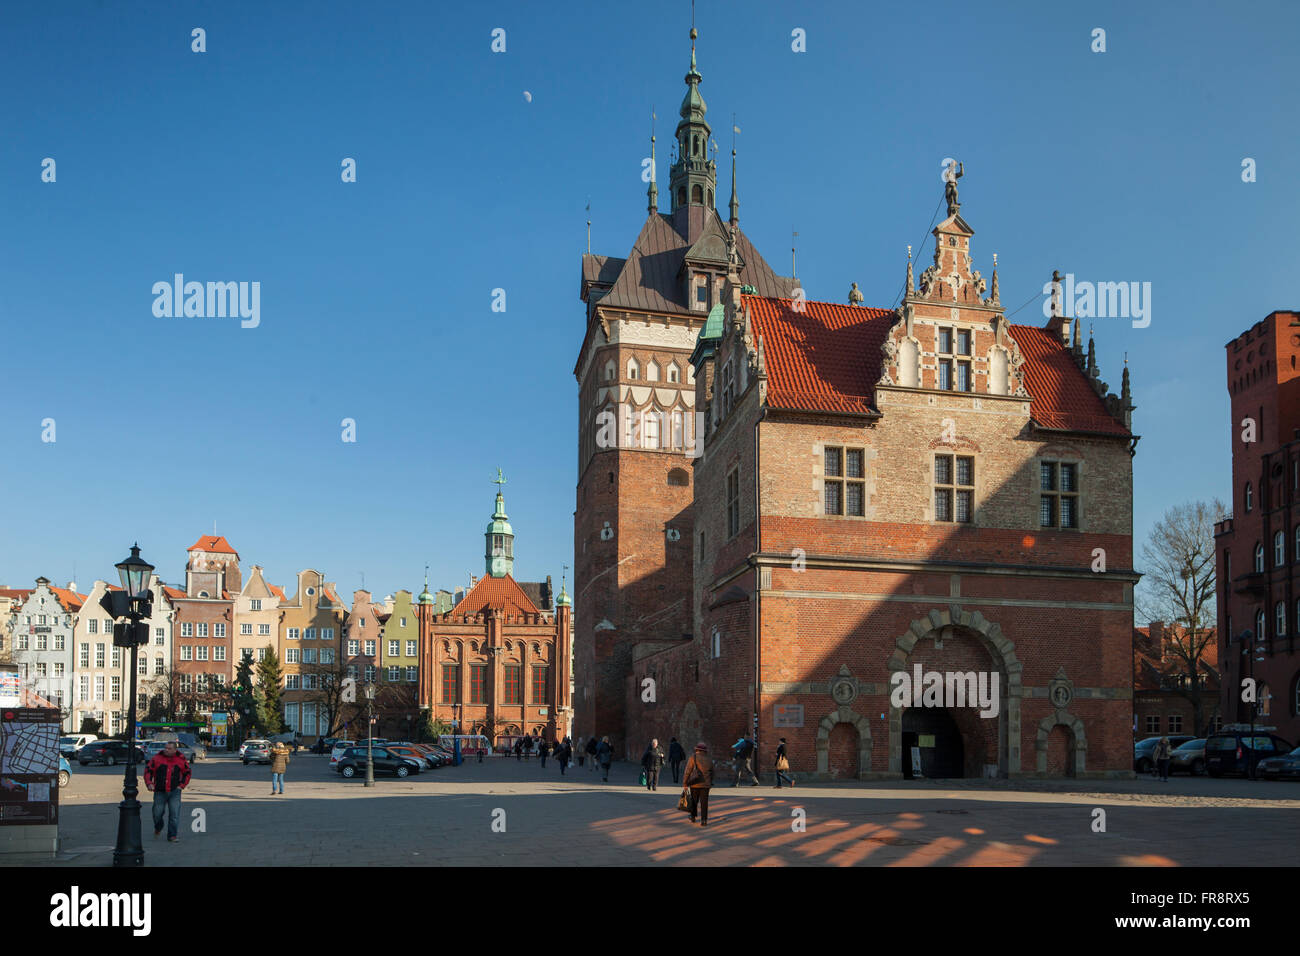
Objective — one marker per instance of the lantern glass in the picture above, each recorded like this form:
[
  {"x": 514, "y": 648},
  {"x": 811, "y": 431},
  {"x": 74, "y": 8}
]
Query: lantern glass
[{"x": 135, "y": 573}]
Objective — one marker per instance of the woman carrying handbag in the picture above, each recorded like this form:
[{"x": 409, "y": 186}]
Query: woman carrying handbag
[
  {"x": 697, "y": 781},
  {"x": 782, "y": 766}
]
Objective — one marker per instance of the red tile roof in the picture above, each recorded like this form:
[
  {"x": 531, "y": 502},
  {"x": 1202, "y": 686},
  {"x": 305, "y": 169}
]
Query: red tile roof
[
  {"x": 172, "y": 592},
  {"x": 71, "y": 600},
  {"x": 211, "y": 542},
  {"x": 827, "y": 358},
  {"x": 1062, "y": 396},
  {"x": 18, "y": 594},
  {"x": 277, "y": 591},
  {"x": 497, "y": 593}
]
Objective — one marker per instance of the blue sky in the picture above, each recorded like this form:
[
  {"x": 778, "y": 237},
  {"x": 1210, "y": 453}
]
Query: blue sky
[{"x": 376, "y": 295}]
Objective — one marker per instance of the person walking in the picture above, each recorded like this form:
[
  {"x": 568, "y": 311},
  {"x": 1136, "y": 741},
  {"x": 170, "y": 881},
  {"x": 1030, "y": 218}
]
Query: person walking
[
  {"x": 563, "y": 753},
  {"x": 582, "y": 754},
  {"x": 652, "y": 761},
  {"x": 592, "y": 747},
  {"x": 519, "y": 749},
  {"x": 676, "y": 757},
  {"x": 697, "y": 781},
  {"x": 528, "y": 747},
  {"x": 166, "y": 775},
  {"x": 1162, "y": 758},
  {"x": 782, "y": 766},
  {"x": 543, "y": 751},
  {"x": 743, "y": 751},
  {"x": 279, "y": 764},
  {"x": 605, "y": 756}
]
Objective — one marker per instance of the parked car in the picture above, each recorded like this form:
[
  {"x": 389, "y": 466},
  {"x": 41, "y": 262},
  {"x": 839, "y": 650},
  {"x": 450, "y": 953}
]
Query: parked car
[
  {"x": 354, "y": 761},
  {"x": 340, "y": 748},
  {"x": 422, "y": 759},
  {"x": 433, "y": 753},
  {"x": 252, "y": 740},
  {"x": 107, "y": 752},
  {"x": 1144, "y": 760},
  {"x": 257, "y": 751},
  {"x": 65, "y": 771},
  {"x": 1188, "y": 758},
  {"x": 1235, "y": 751},
  {"x": 71, "y": 743},
  {"x": 1277, "y": 768}
]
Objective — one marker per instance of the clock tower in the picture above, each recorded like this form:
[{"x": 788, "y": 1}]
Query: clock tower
[{"x": 500, "y": 537}]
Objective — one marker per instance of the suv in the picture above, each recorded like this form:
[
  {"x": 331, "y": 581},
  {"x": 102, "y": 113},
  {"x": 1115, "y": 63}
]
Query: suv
[
  {"x": 108, "y": 752},
  {"x": 1144, "y": 751},
  {"x": 353, "y": 762},
  {"x": 1235, "y": 751}
]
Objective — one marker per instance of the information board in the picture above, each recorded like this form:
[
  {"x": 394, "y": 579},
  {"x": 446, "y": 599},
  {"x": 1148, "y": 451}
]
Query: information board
[{"x": 29, "y": 765}]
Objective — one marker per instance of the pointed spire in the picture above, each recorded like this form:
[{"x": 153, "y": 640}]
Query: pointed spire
[
  {"x": 761, "y": 363},
  {"x": 1078, "y": 343},
  {"x": 653, "y": 191},
  {"x": 1093, "y": 371},
  {"x": 735, "y": 203},
  {"x": 1126, "y": 396},
  {"x": 995, "y": 297},
  {"x": 911, "y": 285}
]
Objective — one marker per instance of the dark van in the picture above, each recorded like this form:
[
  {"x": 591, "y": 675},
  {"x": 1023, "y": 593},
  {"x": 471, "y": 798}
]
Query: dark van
[{"x": 1236, "y": 751}]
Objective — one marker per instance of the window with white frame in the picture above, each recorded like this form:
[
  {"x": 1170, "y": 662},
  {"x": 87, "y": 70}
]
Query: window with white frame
[
  {"x": 23, "y": 642},
  {"x": 411, "y": 674},
  {"x": 58, "y": 668},
  {"x": 58, "y": 642},
  {"x": 41, "y": 669},
  {"x": 1279, "y": 550},
  {"x": 187, "y": 652},
  {"x": 354, "y": 647},
  {"x": 83, "y": 686},
  {"x": 142, "y": 665},
  {"x": 292, "y": 682},
  {"x": 309, "y": 634},
  {"x": 187, "y": 629},
  {"x": 99, "y": 687},
  {"x": 410, "y": 649},
  {"x": 245, "y": 630},
  {"x": 292, "y": 634},
  {"x": 327, "y": 633},
  {"x": 394, "y": 648},
  {"x": 394, "y": 674},
  {"x": 255, "y": 604},
  {"x": 370, "y": 648},
  {"x": 115, "y": 657},
  {"x": 291, "y": 655},
  {"x": 309, "y": 655},
  {"x": 42, "y": 642},
  {"x": 158, "y": 665},
  {"x": 370, "y": 672},
  {"x": 219, "y": 653},
  {"x": 1279, "y": 619},
  {"x": 1259, "y": 557},
  {"x": 200, "y": 652},
  {"x": 92, "y": 626},
  {"x": 202, "y": 629},
  {"x": 327, "y": 655},
  {"x": 115, "y": 688},
  {"x": 264, "y": 630},
  {"x": 159, "y": 636},
  {"x": 99, "y": 655},
  {"x": 219, "y": 629}
]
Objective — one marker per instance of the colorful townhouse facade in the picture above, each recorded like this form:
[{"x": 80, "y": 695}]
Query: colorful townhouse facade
[{"x": 309, "y": 639}]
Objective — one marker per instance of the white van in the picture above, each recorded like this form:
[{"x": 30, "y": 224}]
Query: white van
[{"x": 69, "y": 744}]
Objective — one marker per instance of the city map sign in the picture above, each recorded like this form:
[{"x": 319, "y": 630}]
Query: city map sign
[{"x": 29, "y": 765}]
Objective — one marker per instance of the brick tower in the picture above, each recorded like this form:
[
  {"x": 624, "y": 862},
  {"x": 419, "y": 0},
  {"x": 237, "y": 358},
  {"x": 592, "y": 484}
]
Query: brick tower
[{"x": 636, "y": 420}]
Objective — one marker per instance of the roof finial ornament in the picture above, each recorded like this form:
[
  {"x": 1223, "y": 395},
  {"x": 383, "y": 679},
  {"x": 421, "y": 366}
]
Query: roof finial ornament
[
  {"x": 855, "y": 295},
  {"x": 588, "y": 225},
  {"x": 995, "y": 297},
  {"x": 1093, "y": 371},
  {"x": 653, "y": 191},
  {"x": 1056, "y": 292},
  {"x": 910, "y": 286},
  {"x": 735, "y": 203},
  {"x": 953, "y": 173}
]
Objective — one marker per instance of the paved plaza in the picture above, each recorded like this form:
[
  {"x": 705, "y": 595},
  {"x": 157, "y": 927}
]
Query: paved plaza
[{"x": 445, "y": 817}]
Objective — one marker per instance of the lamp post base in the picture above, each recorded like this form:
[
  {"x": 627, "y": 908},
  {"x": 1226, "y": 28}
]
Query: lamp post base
[{"x": 129, "y": 850}]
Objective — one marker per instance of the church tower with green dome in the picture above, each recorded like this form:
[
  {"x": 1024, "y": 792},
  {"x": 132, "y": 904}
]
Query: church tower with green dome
[{"x": 500, "y": 537}]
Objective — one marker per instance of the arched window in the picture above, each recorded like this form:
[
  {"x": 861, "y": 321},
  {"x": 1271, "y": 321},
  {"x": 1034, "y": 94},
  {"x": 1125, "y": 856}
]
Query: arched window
[
  {"x": 1279, "y": 550},
  {"x": 672, "y": 377},
  {"x": 652, "y": 371},
  {"x": 610, "y": 371},
  {"x": 1259, "y": 557},
  {"x": 1279, "y": 619},
  {"x": 681, "y": 195},
  {"x": 633, "y": 370},
  {"x": 1250, "y": 497},
  {"x": 678, "y": 478},
  {"x": 697, "y": 194},
  {"x": 1259, "y": 625},
  {"x": 710, "y": 197}
]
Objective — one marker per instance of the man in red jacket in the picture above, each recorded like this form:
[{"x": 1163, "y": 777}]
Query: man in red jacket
[{"x": 167, "y": 774}]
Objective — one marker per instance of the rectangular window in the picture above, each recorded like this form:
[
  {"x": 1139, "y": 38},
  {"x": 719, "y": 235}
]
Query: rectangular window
[
  {"x": 394, "y": 648},
  {"x": 309, "y": 634},
  {"x": 1058, "y": 503},
  {"x": 478, "y": 683},
  {"x": 403, "y": 622},
  {"x": 963, "y": 342},
  {"x": 291, "y": 655},
  {"x": 954, "y": 488},
  {"x": 412, "y": 674},
  {"x": 84, "y": 686},
  {"x": 115, "y": 689},
  {"x": 327, "y": 655},
  {"x": 202, "y": 629},
  {"x": 450, "y": 683},
  {"x": 370, "y": 672},
  {"x": 843, "y": 487},
  {"x": 308, "y": 681},
  {"x": 92, "y": 626},
  {"x": 23, "y": 643},
  {"x": 159, "y": 636},
  {"x": 309, "y": 655},
  {"x": 1153, "y": 724},
  {"x": 99, "y": 655},
  {"x": 513, "y": 692},
  {"x": 58, "y": 669},
  {"x": 394, "y": 674},
  {"x": 99, "y": 687},
  {"x": 59, "y": 638},
  {"x": 292, "y": 634},
  {"x": 370, "y": 648},
  {"x": 945, "y": 374},
  {"x": 540, "y": 684},
  {"x": 354, "y": 648},
  {"x": 255, "y": 604},
  {"x": 733, "y": 503},
  {"x": 245, "y": 630},
  {"x": 219, "y": 629},
  {"x": 261, "y": 653},
  {"x": 116, "y": 657},
  {"x": 83, "y": 656},
  {"x": 327, "y": 633},
  {"x": 187, "y": 629},
  {"x": 1175, "y": 723},
  {"x": 963, "y": 377},
  {"x": 410, "y": 649},
  {"x": 945, "y": 342},
  {"x": 42, "y": 642},
  {"x": 264, "y": 630},
  {"x": 292, "y": 682},
  {"x": 219, "y": 653},
  {"x": 41, "y": 669},
  {"x": 200, "y": 652}
]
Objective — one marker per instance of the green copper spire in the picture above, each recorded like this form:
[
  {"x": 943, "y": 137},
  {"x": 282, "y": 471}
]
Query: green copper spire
[
  {"x": 693, "y": 178},
  {"x": 564, "y": 600},
  {"x": 500, "y": 556},
  {"x": 425, "y": 596}
]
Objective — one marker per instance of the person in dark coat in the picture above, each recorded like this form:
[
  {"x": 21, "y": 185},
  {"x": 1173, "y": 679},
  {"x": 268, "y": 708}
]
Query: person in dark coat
[
  {"x": 528, "y": 747},
  {"x": 592, "y": 747},
  {"x": 543, "y": 751},
  {"x": 604, "y": 757},
  {"x": 563, "y": 754},
  {"x": 782, "y": 766},
  {"x": 698, "y": 780},
  {"x": 519, "y": 749},
  {"x": 743, "y": 749},
  {"x": 676, "y": 757},
  {"x": 652, "y": 761}
]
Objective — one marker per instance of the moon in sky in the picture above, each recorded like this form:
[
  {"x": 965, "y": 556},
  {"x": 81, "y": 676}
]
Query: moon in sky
[{"x": 528, "y": 97}]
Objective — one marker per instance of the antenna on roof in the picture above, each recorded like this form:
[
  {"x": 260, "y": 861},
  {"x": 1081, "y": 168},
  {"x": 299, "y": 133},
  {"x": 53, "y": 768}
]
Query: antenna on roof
[
  {"x": 588, "y": 225},
  {"x": 793, "y": 236}
]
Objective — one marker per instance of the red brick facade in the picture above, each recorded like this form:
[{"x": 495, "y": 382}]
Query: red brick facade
[{"x": 1258, "y": 545}]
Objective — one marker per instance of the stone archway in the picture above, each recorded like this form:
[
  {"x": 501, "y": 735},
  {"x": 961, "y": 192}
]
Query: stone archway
[
  {"x": 1000, "y": 648},
  {"x": 843, "y": 715},
  {"x": 1078, "y": 740}
]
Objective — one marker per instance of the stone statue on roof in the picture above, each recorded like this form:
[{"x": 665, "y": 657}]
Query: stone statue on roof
[{"x": 953, "y": 173}]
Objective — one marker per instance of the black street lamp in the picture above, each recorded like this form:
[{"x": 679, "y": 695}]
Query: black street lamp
[
  {"x": 135, "y": 603},
  {"x": 455, "y": 741},
  {"x": 370, "y": 734},
  {"x": 1248, "y": 642}
]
